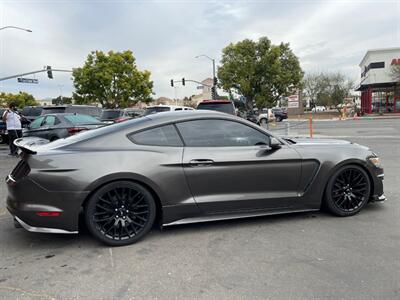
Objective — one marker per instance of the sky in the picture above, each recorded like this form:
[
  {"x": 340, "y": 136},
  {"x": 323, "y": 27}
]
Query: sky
[{"x": 166, "y": 36}]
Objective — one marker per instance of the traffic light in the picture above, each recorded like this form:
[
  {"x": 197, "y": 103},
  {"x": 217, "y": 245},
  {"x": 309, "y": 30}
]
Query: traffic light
[
  {"x": 172, "y": 82},
  {"x": 49, "y": 72},
  {"x": 183, "y": 81},
  {"x": 215, "y": 81}
]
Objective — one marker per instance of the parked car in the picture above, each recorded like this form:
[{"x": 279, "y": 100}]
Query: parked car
[
  {"x": 174, "y": 168},
  {"x": 110, "y": 116},
  {"x": 266, "y": 115},
  {"x": 32, "y": 112},
  {"x": 165, "y": 108},
  {"x": 56, "y": 126},
  {"x": 225, "y": 106},
  {"x": 280, "y": 113}
]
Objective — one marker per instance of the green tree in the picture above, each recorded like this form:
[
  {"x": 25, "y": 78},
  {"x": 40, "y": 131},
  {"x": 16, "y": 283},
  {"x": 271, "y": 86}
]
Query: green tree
[
  {"x": 259, "y": 71},
  {"x": 21, "y": 99},
  {"x": 111, "y": 79}
]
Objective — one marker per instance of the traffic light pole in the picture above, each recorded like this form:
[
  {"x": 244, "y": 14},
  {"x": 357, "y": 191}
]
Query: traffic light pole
[{"x": 34, "y": 72}]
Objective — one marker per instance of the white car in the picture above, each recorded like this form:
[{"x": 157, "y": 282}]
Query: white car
[
  {"x": 265, "y": 116},
  {"x": 319, "y": 109},
  {"x": 164, "y": 108}
]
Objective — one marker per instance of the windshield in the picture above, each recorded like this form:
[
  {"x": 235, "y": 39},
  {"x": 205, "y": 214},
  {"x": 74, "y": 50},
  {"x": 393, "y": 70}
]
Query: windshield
[
  {"x": 154, "y": 110},
  {"x": 52, "y": 110},
  {"x": 110, "y": 114},
  {"x": 221, "y": 107},
  {"x": 82, "y": 119}
]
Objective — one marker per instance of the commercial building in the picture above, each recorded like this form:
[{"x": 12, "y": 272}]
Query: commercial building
[{"x": 380, "y": 93}]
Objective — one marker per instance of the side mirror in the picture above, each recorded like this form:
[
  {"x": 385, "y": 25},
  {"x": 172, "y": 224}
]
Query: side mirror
[{"x": 274, "y": 143}]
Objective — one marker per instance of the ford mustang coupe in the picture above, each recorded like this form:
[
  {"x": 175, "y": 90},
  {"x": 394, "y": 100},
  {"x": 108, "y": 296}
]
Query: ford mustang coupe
[{"x": 182, "y": 167}]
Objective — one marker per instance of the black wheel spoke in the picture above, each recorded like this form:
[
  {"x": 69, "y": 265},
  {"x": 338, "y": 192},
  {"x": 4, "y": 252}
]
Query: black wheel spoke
[
  {"x": 349, "y": 190},
  {"x": 121, "y": 213}
]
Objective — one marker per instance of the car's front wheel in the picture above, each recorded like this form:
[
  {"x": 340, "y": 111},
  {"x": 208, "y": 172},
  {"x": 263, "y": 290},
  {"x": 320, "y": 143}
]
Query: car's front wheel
[
  {"x": 120, "y": 213},
  {"x": 263, "y": 122},
  {"x": 348, "y": 191},
  {"x": 278, "y": 119}
]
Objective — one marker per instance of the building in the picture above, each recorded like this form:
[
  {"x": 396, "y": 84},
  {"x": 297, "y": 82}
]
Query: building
[{"x": 380, "y": 93}]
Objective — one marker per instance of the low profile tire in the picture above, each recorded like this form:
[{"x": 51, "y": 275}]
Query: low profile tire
[
  {"x": 347, "y": 191},
  {"x": 120, "y": 213}
]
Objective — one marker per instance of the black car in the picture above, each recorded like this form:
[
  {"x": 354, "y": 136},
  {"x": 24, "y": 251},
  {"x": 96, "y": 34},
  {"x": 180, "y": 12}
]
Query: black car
[
  {"x": 183, "y": 167},
  {"x": 56, "y": 126},
  {"x": 225, "y": 106},
  {"x": 32, "y": 112},
  {"x": 110, "y": 116},
  {"x": 279, "y": 113}
]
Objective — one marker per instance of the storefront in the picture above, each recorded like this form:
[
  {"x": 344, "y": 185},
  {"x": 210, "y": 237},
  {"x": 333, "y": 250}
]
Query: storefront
[{"x": 380, "y": 93}]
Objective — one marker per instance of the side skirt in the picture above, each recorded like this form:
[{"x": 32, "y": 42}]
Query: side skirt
[{"x": 236, "y": 215}]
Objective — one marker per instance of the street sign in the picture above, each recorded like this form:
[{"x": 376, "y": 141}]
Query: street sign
[{"x": 27, "y": 80}]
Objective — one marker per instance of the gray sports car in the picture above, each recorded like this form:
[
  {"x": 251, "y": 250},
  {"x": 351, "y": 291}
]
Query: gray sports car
[{"x": 183, "y": 167}]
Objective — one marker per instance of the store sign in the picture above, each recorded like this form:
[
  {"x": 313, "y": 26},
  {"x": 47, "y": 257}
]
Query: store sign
[
  {"x": 293, "y": 104},
  {"x": 293, "y": 98},
  {"x": 395, "y": 61}
]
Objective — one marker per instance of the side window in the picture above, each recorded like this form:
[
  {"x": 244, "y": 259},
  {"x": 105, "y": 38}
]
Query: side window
[
  {"x": 159, "y": 136},
  {"x": 51, "y": 120},
  {"x": 36, "y": 123},
  {"x": 220, "y": 133},
  {"x": 179, "y": 108}
]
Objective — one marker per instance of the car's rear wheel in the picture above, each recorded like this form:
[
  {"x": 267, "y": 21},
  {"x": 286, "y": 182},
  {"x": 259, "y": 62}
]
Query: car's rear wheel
[
  {"x": 348, "y": 191},
  {"x": 120, "y": 213},
  {"x": 278, "y": 119}
]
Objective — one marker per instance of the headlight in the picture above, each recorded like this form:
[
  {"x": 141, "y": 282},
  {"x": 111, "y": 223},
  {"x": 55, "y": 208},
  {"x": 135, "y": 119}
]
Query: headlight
[{"x": 376, "y": 161}]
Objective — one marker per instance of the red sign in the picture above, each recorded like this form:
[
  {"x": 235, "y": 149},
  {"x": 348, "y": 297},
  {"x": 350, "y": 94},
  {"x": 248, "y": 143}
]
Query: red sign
[{"x": 395, "y": 61}]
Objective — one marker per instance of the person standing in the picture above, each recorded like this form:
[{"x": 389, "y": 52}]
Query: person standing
[{"x": 14, "y": 128}]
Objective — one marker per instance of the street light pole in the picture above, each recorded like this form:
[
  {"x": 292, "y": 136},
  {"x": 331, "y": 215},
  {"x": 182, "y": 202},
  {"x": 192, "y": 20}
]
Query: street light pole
[
  {"x": 214, "y": 78},
  {"x": 15, "y": 27}
]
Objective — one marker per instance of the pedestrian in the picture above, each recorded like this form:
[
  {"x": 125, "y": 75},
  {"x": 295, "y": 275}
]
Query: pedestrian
[{"x": 14, "y": 128}]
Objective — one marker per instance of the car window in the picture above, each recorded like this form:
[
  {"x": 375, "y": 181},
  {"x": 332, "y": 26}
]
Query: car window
[
  {"x": 179, "y": 108},
  {"x": 156, "y": 109},
  {"x": 110, "y": 114},
  {"x": 36, "y": 123},
  {"x": 220, "y": 133},
  {"x": 82, "y": 119},
  {"x": 51, "y": 120},
  {"x": 160, "y": 136},
  {"x": 52, "y": 110},
  {"x": 219, "y": 106}
]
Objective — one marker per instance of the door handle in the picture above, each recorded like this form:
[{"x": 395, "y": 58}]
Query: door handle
[{"x": 201, "y": 162}]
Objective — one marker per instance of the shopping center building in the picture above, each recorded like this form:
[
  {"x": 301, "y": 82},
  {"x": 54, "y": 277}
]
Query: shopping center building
[{"x": 380, "y": 93}]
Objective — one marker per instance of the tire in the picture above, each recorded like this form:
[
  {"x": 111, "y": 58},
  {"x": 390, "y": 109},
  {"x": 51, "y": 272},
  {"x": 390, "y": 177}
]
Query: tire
[
  {"x": 348, "y": 191},
  {"x": 120, "y": 213},
  {"x": 278, "y": 119}
]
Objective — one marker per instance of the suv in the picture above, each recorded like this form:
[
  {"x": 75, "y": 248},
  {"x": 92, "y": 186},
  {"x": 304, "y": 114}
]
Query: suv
[
  {"x": 164, "y": 108},
  {"x": 32, "y": 112},
  {"x": 225, "y": 106},
  {"x": 280, "y": 113}
]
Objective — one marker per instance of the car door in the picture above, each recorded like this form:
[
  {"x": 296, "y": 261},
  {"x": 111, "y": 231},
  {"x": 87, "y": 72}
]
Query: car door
[
  {"x": 35, "y": 128},
  {"x": 229, "y": 166},
  {"x": 49, "y": 128}
]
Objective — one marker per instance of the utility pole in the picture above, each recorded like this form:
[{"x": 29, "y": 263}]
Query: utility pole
[{"x": 214, "y": 85}]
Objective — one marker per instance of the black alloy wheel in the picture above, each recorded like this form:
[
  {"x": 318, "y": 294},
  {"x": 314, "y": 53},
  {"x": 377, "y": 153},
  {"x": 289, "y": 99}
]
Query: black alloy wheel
[
  {"x": 348, "y": 191},
  {"x": 120, "y": 213}
]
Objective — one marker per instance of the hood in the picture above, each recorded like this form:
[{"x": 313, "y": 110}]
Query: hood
[{"x": 316, "y": 141}]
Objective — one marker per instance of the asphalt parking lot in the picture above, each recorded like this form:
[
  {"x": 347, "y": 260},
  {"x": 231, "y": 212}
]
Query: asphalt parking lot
[{"x": 298, "y": 256}]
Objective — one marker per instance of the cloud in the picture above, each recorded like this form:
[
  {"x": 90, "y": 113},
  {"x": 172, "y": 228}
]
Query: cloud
[{"x": 165, "y": 36}]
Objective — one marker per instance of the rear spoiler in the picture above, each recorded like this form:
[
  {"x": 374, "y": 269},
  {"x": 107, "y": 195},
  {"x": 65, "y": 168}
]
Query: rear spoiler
[{"x": 29, "y": 145}]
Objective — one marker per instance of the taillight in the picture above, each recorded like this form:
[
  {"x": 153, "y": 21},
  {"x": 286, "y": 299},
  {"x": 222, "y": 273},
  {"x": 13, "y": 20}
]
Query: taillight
[
  {"x": 75, "y": 130},
  {"x": 119, "y": 120},
  {"x": 48, "y": 213}
]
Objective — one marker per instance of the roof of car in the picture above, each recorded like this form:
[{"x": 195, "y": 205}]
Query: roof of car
[{"x": 216, "y": 101}]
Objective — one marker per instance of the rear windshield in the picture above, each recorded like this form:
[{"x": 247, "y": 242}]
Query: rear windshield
[
  {"x": 32, "y": 111},
  {"x": 110, "y": 114},
  {"x": 82, "y": 119},
  {"x": 221, "y": 107},
  {"x": 153, "y": 110}
]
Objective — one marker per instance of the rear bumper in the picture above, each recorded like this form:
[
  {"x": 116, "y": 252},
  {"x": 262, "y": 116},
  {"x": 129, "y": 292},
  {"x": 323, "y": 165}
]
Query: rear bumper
[{"x": 26, "y": 201}]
